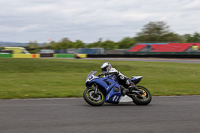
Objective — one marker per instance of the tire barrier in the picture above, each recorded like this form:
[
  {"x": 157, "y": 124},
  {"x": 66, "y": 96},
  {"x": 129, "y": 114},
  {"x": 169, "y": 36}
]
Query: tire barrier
[
  {"x": 64, "y": 55},
  {"x": 69, "y": 55},
  {"x": 143, "y": 55},
  {"x": 42, "y": 55},
  {"x": 82, "y": 55},
  {"x": 130, "y": 55},
  {"x": 6, "y": 55},
  {"x": 26, "y": 55},
  {"x": 47, "y": 55}
]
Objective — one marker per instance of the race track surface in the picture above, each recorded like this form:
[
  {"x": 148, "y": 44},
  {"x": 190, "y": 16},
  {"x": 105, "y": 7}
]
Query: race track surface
[{"x": 180, "y": 114}]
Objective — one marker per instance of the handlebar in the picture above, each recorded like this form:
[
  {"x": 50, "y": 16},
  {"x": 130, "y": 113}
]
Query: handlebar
[{"x": 102, "y": 74}]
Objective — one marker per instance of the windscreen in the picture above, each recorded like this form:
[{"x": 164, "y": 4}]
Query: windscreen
[{"x": 90, "y": 74}]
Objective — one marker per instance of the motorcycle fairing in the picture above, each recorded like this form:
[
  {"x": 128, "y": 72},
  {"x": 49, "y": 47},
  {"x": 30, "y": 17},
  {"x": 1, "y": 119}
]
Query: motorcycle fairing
[
  {"x": 112, "y": 88},
  {"x": 114, "y": 95},
  {"x": 136, "y": 79}
]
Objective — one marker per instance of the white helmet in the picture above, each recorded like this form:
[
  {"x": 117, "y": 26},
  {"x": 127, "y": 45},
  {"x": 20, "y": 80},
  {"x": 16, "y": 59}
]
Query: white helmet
[{"x": 105, "y": 67}]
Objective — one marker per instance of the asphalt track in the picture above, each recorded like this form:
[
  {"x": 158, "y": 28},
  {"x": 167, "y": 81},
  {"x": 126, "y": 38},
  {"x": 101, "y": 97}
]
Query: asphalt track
[{"x": 179, "y": 114}]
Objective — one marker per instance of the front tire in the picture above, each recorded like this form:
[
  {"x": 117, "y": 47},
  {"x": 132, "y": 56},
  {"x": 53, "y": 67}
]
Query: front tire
[
  {"x": 143, "y": 99},
  {"x": 92, "y": 98}
]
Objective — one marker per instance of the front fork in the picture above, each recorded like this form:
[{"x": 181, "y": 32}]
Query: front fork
[{"x": 95, "y": 89}]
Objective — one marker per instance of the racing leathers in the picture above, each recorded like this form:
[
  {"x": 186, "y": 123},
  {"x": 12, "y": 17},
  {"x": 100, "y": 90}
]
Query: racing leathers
[{"x": 122, "y": 79}]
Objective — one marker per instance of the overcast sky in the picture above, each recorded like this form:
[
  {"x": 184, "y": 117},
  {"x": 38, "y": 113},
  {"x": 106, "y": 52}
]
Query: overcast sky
[{"x": 89, "y": 20}]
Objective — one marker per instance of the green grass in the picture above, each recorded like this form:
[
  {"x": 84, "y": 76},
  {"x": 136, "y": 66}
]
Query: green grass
[{"x": 42, "y": 78}]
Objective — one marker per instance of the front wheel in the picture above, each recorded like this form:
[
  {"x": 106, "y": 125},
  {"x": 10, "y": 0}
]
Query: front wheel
[
  {"x": 144, "y": 98},
  {"x": 92, "y": 98}
]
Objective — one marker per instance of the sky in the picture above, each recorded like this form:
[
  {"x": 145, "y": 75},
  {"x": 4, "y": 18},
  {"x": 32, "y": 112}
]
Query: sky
[{"x": 89, "y": 20}]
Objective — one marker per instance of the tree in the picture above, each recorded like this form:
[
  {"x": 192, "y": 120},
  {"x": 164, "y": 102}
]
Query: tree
[
  {"x": 95, "y": 44},
  {"x": 33, "y": 44},
  {"x": 126, "y": 42},
  {"x": 52, "y": 45},
  {"x": 78, "y": 44},
  {"x": 195, "y": 38},
  {"x": 65, "y": 43},
  {"x": 155, "y": 32},
  {"x": 108, "y": 44}
]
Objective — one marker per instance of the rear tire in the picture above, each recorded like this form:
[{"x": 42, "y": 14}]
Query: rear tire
[
  {"x": 144, "y": 99},
  {"x": 92, "y": 98}
]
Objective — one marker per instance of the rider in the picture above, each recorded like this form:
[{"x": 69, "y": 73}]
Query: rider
[{"x": 123, "y": 80}]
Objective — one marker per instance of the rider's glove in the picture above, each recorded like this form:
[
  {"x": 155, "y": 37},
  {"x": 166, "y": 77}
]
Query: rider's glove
[
  {"x": 102, "y": 74},
  {"x": 106, "y": 73}
]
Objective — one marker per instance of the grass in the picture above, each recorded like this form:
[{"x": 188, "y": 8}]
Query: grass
[{"x": 42, "y": 78}]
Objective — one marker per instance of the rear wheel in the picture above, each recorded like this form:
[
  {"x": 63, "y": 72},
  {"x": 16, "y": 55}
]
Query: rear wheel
[
  {"x": 92, "y": 98},
  {"x": 141, "y": 99}
]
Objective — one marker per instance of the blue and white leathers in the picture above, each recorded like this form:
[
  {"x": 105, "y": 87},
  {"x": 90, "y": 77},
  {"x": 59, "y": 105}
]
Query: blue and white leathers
[{"x": 108, "y": 85}]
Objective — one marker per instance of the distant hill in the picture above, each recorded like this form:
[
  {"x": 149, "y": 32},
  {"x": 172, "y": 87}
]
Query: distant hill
[{"x": 12, "y": 44}]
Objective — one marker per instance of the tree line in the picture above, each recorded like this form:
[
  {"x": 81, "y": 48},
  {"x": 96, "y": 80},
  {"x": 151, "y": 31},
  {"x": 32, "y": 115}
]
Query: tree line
[{"x": 152, "y": 32}]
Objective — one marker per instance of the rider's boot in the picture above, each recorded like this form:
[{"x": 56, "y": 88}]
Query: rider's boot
[
  {"x": 131, "y": 87},
  {"x": 124, "y": 90}
]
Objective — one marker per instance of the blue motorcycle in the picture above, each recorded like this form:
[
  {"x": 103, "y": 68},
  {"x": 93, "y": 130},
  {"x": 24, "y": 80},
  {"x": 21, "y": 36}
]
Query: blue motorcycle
[{"x": 105, "y": 88}]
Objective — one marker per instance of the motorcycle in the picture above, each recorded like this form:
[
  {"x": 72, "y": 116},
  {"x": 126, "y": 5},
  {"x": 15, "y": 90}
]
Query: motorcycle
[{"x": 106, "y": 88}]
